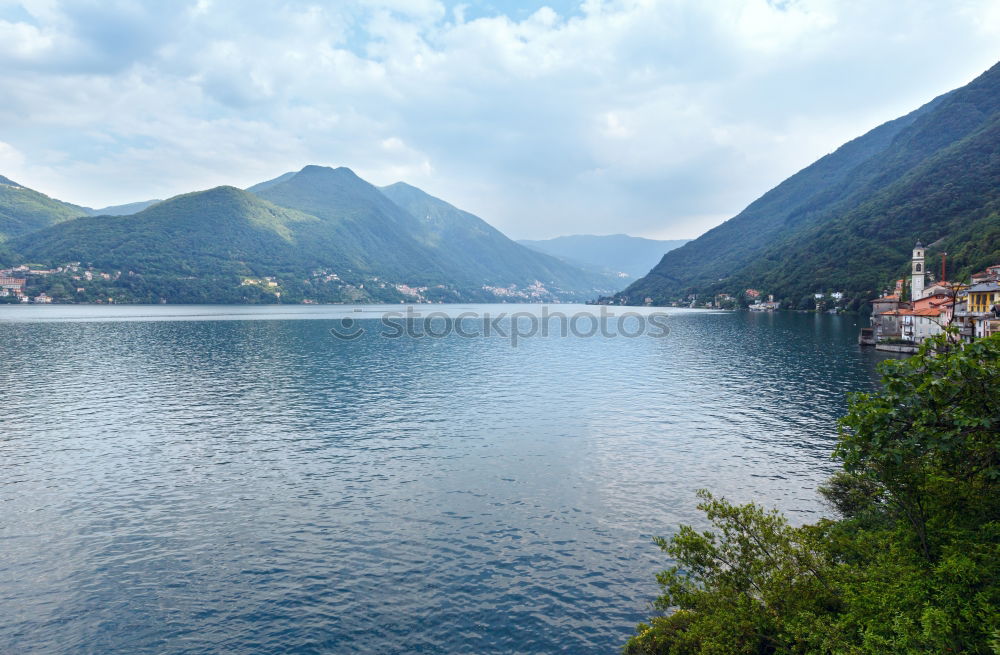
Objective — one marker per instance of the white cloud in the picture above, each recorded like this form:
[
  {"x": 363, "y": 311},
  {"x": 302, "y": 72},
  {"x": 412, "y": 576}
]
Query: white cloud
[
  {"x": 11, "y": 160},
  {"x": 623, "y": 115},
  {"x": 22, "y": 41}
]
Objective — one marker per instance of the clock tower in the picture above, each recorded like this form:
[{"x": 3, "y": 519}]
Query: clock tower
[{"x": 919, "y": 272}]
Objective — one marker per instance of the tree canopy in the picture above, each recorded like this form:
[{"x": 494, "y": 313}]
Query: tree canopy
[{"x": 911, "y": 564}]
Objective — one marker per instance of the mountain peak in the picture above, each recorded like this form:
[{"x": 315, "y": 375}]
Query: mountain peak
[
  {"x": 340, "y": 171},
  {"x": 312, "y": 173},
  {"x": 8, "y": 181},
  {"x": 224, "y": 191},
  {"x": 403, "y": 185}
]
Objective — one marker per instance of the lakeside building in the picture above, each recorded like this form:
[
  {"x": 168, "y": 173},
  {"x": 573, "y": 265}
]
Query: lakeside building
[
  {"x": 980, "y": 313},
  {"x": 769, "y": 306},
  {"x": 12, "y": 286},
  {"x": 903, "y": 325}
]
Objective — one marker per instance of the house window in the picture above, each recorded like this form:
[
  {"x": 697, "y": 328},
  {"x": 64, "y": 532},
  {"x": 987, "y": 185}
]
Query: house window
[{"x": 916, "y": 267}]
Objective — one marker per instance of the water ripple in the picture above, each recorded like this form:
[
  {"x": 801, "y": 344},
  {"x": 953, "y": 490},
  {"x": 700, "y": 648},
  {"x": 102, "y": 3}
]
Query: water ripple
[{"x": 194, "y": 485}]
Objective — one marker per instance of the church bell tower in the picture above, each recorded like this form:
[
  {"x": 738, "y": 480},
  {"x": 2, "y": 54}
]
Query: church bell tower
[{"x": 919, "y": 272}]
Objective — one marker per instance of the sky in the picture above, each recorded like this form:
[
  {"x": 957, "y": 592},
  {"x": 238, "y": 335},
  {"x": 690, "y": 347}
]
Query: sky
[{"x": 652, "y": 118}]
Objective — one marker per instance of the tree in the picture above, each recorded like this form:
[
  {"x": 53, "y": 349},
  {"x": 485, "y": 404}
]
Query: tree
[{"x": 912, "y": 563}]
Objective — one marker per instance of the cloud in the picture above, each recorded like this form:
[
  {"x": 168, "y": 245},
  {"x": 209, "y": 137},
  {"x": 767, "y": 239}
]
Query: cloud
[
  {"x": 11, "y": 161},
  {"x": 657, "y": 118}
]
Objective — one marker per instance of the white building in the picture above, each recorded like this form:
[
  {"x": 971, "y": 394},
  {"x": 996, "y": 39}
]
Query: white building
[
  {"x": 918, "y": 325},
  {"x": 919, "y": 273}
]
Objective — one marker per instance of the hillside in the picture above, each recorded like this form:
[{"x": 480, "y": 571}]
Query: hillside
[
  {"x": 191, "y": 248},
  {"x": 617, "y": 253},
  {"x": 24, "y": 210},
  {"x": 358, "y": 227},
  {"x": 849, "y": 221},
  {"x": 219, "y": 231}
]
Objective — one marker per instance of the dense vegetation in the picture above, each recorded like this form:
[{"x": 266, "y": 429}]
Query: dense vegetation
[
  {"x": 325, "y": 234},
  {"x": 23, "y": 210},
  {"x": 849, "y": 221},
  {"x": 912, "y": 565}
]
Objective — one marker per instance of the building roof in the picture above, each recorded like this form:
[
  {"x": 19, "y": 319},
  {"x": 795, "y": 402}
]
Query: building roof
[
  {"x": 892, "y": 298},
  {"x": 984, "y": 286},
  {"x": 929, "y": 312},
  {"x": 919, "y": 245}
]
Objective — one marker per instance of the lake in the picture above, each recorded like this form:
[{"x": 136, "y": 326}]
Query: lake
[{"x": 211, "y": 479}]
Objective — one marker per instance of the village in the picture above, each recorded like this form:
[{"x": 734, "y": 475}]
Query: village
[
  {"x": 74, "y": 282},
  {"x": 905, "y": 318},
  {"x": 14, "y": 281},
  {"x": 901, "y": 320}
]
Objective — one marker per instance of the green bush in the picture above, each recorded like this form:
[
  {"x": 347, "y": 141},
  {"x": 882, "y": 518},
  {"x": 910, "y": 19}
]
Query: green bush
[{"x": 911, "y": 564}]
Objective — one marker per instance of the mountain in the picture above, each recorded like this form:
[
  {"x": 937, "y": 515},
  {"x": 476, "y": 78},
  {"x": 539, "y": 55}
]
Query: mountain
[
  {"x": 358, "y": 226},
  {"x": 618, "y": 253},
  {"x": 321, "y": 234},
  {"x": 400, "y": 232},
  {"x": 23, "y": 210},
  {"x": 123, "y": 210},
  {"x": 480, "y": 250},
  {"x": 270, "y": 183},
  {"x": 191, "y": 248},
  {"x": 219, "y": 231},
  {"x": 849, "y": 221}
]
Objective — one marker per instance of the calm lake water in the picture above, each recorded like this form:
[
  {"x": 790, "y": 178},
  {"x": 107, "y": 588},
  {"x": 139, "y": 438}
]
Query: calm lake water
[{"x": 237, "y": 480}]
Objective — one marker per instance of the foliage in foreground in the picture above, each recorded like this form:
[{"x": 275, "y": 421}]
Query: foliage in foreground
[{"x": 911, "y": 566}]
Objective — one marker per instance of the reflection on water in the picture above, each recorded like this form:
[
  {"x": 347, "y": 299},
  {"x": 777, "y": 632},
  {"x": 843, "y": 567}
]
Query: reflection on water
[{"x": 174, "y": 483}]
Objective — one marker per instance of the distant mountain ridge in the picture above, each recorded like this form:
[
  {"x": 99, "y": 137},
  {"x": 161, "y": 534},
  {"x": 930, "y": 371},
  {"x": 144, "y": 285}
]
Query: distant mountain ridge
[
  {"x": 216, "y": 231},
  {"x": 23, "y": 210},
  {"x": 616, "y": 253},
  {"x": 124, "y": 210},
  {"x": 474, "y": 246},
  {"x": 318, "y": 233},
  {"x": 849, "y": 221}
]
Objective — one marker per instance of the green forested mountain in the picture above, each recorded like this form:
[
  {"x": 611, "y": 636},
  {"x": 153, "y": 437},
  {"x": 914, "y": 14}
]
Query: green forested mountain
[
  {"x": 321, "y": 233},
  {"x": 195, "y": 247},
  {"x": 219, "y": 231},
  {"x": 23, "y": 210},
  {"x": 402, "y": 233},
  {"x": 634, "y": 256},
  {"x": 849, "y": 221},
  {"x": 357, "y": 226}
]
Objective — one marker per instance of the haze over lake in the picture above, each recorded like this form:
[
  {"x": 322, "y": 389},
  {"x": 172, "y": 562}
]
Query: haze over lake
[{"x": 173, "y": 482}]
